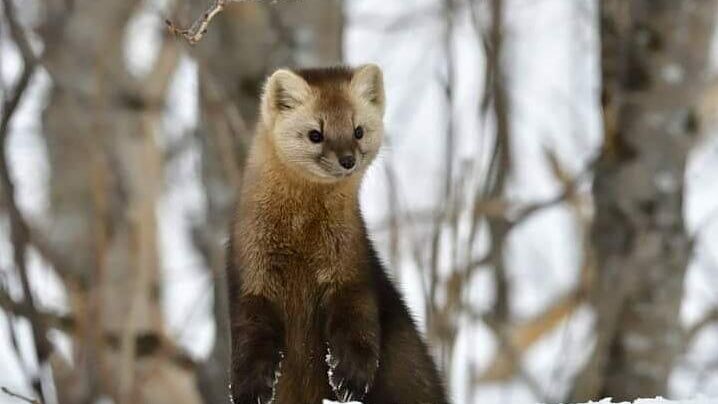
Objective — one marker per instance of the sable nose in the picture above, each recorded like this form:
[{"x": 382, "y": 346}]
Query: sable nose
[{"x": 347, "y": 161}]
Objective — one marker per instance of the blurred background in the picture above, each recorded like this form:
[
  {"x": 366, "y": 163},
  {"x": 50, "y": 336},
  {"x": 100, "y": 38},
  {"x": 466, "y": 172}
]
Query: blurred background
[{"x": 547, "y": 198}]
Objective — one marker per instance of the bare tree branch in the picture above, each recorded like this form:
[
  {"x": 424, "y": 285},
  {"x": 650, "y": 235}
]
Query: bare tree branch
[
  {"x": 521, "y": 337},
  {"x": 708, "y": 319},
  {"x": 18, "y": 396},
  {"x": 23, "y": 309},
  {"x": 11, "y": 103},
  {"x": 509, "y": 361},
  {"x": 147, "y": 343},
  {"x": 19, "y": 230},
  {"x": 199, "y": 27}
]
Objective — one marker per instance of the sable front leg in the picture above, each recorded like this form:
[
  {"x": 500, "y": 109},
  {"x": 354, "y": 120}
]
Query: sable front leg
[
  {"x": 256, "y": 349},
  {"x": 352, "y": 335}
]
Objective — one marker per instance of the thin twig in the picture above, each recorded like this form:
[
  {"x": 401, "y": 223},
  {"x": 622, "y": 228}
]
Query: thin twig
[
  {"x": 199, "y": 27},
  {"x": 19, "y": 396},
  {"x": 708, "y": 319},
  {"x": 512, "y": 215},
  {"x": 23, "y": 309}
]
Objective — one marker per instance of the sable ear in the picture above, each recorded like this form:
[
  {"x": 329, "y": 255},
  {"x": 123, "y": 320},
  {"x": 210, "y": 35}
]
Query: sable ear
[
  {"x": 368, "y": 83},
  {"x": 284, "y": 90}
]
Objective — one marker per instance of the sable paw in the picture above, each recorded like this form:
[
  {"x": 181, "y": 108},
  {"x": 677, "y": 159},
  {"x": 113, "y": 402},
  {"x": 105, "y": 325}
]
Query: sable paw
[
  {"x": 350, "y": 375},
  {"x": 260, "y": 397},
  {"x": 257, "y": 386}
]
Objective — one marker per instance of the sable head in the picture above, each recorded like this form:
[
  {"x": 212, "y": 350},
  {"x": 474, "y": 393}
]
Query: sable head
[{"x": 325, "y": 124}]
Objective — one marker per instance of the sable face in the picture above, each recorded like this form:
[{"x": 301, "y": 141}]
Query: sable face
[{"x": 326, "y": 124}]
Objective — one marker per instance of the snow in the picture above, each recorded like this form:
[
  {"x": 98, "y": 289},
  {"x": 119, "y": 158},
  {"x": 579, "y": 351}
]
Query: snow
[
  {"x": 336, "y": 402},
  {"x": 657, "y": 401},
  {"x": 610, "y": 401}
]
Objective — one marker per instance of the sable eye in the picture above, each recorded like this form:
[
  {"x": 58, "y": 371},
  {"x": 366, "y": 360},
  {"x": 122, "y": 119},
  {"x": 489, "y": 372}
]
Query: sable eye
[
  {"x": 358, "y": 132},
  {"x": 315, "y": 136}
]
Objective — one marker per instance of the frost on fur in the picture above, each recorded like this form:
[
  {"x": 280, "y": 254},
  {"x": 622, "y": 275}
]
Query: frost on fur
[
  {"x": 277, "y": 375},
  {"x": 339, "y": 386},
  {"x": 275, "y": 381},
  {"x": 332, "y": 363}
]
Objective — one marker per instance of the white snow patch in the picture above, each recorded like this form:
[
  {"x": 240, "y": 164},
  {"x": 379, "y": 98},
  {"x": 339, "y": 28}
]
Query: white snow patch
[
  {"x": 336, "y": 402},
  {"x": 657, "y": 400},
  {"x": 610, "y": 401}
]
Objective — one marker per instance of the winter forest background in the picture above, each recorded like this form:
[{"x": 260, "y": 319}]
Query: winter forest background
[{"x": 547, "y": 197}]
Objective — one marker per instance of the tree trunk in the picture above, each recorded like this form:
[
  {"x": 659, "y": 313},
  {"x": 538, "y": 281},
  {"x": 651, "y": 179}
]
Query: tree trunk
[
  {"x": 100, "y": 125},
  {"x": 654, "y": 66}
]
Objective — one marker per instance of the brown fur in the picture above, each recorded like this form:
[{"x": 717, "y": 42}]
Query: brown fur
[{"x": 303, "y": 276}]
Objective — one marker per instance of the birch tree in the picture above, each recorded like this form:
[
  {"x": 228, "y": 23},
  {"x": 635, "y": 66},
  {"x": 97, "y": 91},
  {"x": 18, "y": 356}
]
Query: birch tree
[
  {"x": 654, "y": 68},
  {"x": 100, "y": 126}
]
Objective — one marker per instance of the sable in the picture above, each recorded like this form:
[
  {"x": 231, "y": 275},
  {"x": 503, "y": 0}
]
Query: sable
[{"x": 313, "y": 312}]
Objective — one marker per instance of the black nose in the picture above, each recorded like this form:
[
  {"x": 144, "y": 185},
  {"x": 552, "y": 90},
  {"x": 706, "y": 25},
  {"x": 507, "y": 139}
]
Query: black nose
[{"x": 347, "y": 161}]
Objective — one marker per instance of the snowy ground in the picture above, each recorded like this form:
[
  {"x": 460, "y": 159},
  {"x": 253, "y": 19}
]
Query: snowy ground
[
  {"x": 609, "y": 401},
  {"x": 658, "y": 401}
]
